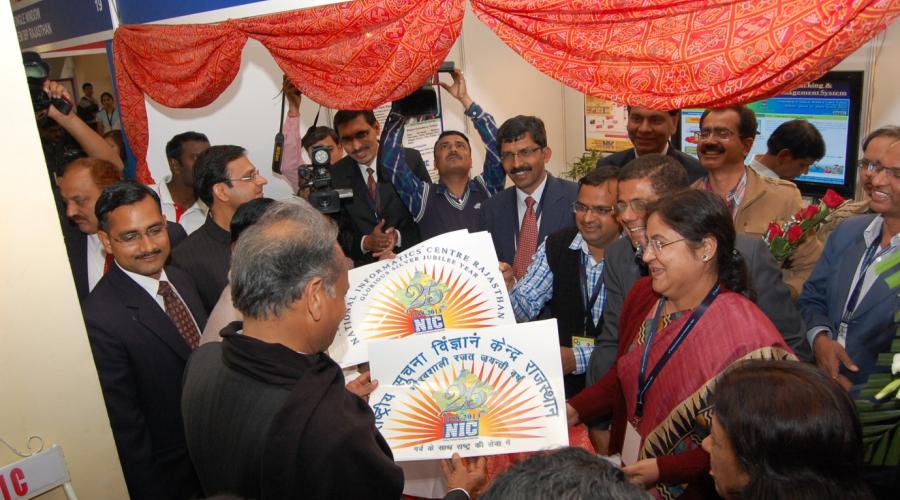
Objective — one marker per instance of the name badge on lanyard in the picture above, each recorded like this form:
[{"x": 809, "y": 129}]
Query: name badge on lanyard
[{"x": 646, "y": 381}]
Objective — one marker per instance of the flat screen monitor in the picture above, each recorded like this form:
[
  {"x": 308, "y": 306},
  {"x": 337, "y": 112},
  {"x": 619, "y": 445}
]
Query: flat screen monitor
[{"x": 832, "y": 104}]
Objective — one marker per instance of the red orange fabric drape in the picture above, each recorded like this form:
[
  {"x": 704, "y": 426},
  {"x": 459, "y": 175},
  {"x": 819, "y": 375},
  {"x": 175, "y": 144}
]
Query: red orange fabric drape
[
  {"x": 354, "y": 55},
  {"x": 672, "y": 54},
  {"x": 663, "y": 54}
]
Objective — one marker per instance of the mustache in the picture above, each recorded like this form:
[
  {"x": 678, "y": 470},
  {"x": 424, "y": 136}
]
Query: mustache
[
  {"x": 520, "y": 169},
  {"x": 454, "y": 155},
  {"x": 360, "y": 150},
  {"x": 712, "y": 148},
  {"x": 152, "y": 253}
]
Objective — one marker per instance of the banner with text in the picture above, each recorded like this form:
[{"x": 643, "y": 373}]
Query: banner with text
[
  {"x": 449, "y": 282},
  {"x": 481, "y": 392},
  {"x": 52, "y": 22}
]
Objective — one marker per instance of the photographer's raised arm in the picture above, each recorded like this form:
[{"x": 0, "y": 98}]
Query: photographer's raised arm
[
  {"x": 492, "y": 175},
  {"x": 412, "y": 190},
  {"x": 89, "y": 140}
]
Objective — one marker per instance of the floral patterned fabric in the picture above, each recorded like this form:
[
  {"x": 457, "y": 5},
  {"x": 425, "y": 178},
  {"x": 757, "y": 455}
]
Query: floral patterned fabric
[
  {"x": 663, "y": 54},
  {"x": 354, "y": 55},
  {"x": 673, "y": 54}
]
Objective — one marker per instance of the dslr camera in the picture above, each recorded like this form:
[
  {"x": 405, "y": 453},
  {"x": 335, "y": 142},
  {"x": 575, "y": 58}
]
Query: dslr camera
[
  {"x": 37, "y": 72},
  {"x": 317, "y": 178}
]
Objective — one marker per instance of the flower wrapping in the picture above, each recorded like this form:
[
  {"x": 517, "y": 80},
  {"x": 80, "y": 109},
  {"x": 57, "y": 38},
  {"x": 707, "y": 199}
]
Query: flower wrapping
[{"x": 783, "y": 238}]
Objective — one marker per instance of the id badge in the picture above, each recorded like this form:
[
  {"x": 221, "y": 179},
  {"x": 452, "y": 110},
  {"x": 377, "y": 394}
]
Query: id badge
[
  {"x": 582, "y": 341},
  {"x": 842, "y": 334},
  {"x": 632, "y": 446}
]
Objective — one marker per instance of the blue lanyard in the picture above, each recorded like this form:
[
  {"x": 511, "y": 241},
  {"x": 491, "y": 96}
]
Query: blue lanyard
[
  {"x": 644, "y": 384},
  {"x": 590, "y": 297},
  {"x": 868, "y": 258}
]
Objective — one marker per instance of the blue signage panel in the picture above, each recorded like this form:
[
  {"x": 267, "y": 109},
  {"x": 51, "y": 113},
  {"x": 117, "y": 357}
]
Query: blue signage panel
[
  {"x": 45, "y": 22},
  {"x": 143, "y": 11}
]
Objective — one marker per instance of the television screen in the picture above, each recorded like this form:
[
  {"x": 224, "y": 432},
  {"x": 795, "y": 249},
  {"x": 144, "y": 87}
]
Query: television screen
[{"x": 832, "y": 104}]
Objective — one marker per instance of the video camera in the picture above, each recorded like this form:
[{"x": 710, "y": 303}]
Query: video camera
[
  {"x": 37, "y": 72},
  {"x": 317, "y": 178}
]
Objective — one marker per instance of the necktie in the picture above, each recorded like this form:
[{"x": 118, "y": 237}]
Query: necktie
[
  {"x": 527, "y": 240},
  {"x": 370, "y": 182},
  {"x": 107, "y": 261},
  {"x": 179, "y": 314}
]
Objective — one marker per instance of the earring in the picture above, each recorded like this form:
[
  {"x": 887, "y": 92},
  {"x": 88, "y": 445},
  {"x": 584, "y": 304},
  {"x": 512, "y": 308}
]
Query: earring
[{"x": 706, "y": 258}]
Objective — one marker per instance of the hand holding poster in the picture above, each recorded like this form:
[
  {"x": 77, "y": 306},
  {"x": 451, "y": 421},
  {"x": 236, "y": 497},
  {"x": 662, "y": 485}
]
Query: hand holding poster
[
  {"x": 477, "y": 392},
  {"x": 449, "y": 282}
]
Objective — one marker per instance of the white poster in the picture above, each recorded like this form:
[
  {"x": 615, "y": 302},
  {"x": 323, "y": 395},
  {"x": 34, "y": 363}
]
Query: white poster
[
  {"x": 449, "y": 282},
  {"x": 477, "y": 392},
  {"x": 420, "y": 135}
]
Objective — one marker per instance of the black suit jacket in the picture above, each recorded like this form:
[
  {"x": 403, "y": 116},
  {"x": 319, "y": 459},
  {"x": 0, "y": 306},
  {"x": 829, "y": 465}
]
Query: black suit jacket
[
  {"x": 361, "y": 214},
  {"x": 499, "y": 215},
  {"x": 140, "y": 358},
  {"x": 76, "y": 248},
  {"x": 691, "y": 165}
]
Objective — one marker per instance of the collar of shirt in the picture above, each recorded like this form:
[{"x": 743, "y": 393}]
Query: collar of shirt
[
  {"x": 663, "y": 152},
  {"x": 216, "y": 232},
  {"x": 363, "y": 167},
  {"x": 95, "y": 247},
  {"x": 735, "y": 195},
  {"x": 761, "y": 169},
  {"x": 538, "y": 192},
  {"x": 874, "y": 229},
  {"x": 579, "y": 243},
  {"x": 150, "y": 285},
  {"x": 165, "y": 197}
]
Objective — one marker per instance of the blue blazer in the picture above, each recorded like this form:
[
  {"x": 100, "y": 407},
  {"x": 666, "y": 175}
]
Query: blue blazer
[
  {"x": 499, "y": 215},
  {"x": 825, "y": 294}
]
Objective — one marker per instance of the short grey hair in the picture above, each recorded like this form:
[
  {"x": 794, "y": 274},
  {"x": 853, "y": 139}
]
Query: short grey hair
[{"x": 274, "y": 259}]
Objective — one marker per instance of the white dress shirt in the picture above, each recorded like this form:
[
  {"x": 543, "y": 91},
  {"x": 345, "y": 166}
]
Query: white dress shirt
[
  {"x": 192, "y": 218},
  {"x": 96, "y": 260},
  {"x": 151, "y": 286}
]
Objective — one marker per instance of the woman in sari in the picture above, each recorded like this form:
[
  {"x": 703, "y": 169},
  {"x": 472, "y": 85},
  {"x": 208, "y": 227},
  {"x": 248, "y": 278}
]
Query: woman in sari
[{"x": 680, "y": 328}]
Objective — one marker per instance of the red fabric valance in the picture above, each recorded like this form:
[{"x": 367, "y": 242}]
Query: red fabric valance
[
  {"x": 663, "y": 54},
  {"x": 672, "y": 54},
  {"x": 355, "y": 55}
]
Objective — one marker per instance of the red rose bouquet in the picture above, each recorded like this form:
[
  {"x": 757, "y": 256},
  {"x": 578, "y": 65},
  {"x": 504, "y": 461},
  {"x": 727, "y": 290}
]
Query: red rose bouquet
[{"x": 783, "y": 239}]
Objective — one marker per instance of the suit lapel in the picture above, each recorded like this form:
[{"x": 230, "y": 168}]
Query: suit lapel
[
  {"x": 844, "y": 277},
  {"x": 146, "y": 311},
  {"x": 509, "y": 226},
  {"x": 549, "y": 210},
  {"x": 362, "y": 207},
  {"x": 877, "y": 293}
]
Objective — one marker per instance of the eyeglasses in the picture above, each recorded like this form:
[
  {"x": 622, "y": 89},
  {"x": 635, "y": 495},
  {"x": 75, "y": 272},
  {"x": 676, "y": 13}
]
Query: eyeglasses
[
  {"x": 133, "y": 237},
  {"x": 359, "y": 136},
  {"x": 639, "y": 206},
  {"x": 720, "y": 133},
  {"x": 875, "y": 168},
  {"x": 522, "y": 153},
  {"x": 252, "y": 176},
  {"x": 657, "y": 245},
  {"x": 580, "y": 208}
]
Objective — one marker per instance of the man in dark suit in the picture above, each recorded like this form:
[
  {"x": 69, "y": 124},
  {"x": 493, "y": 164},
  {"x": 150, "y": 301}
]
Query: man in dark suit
[
  {"x": 375, "y": 221},
  {"x": 538, "y": 203},
  {"x": 650, "y": 132},
  {"x": 143, "y": 321},
  {"x": 80, "y": 185},
  {"x": 848, "y": 305},
  {"x": 224, "y": 179}
]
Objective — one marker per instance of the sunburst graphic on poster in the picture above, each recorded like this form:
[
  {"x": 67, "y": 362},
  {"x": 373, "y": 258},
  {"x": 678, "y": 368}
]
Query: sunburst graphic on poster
[
  {"x": 490, "y": 391},
  {"x": 450, "y": 282},
  {"x": 464, "y": 405},
  {"x": 430, "y": 300}
]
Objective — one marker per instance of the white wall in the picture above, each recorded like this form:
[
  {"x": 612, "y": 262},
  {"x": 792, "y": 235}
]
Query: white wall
[{"x": 50, "y": 385}]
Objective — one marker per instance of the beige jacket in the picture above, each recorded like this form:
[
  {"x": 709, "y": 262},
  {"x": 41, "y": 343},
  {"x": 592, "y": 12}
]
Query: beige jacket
[{"x": 767, "y": 200}]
